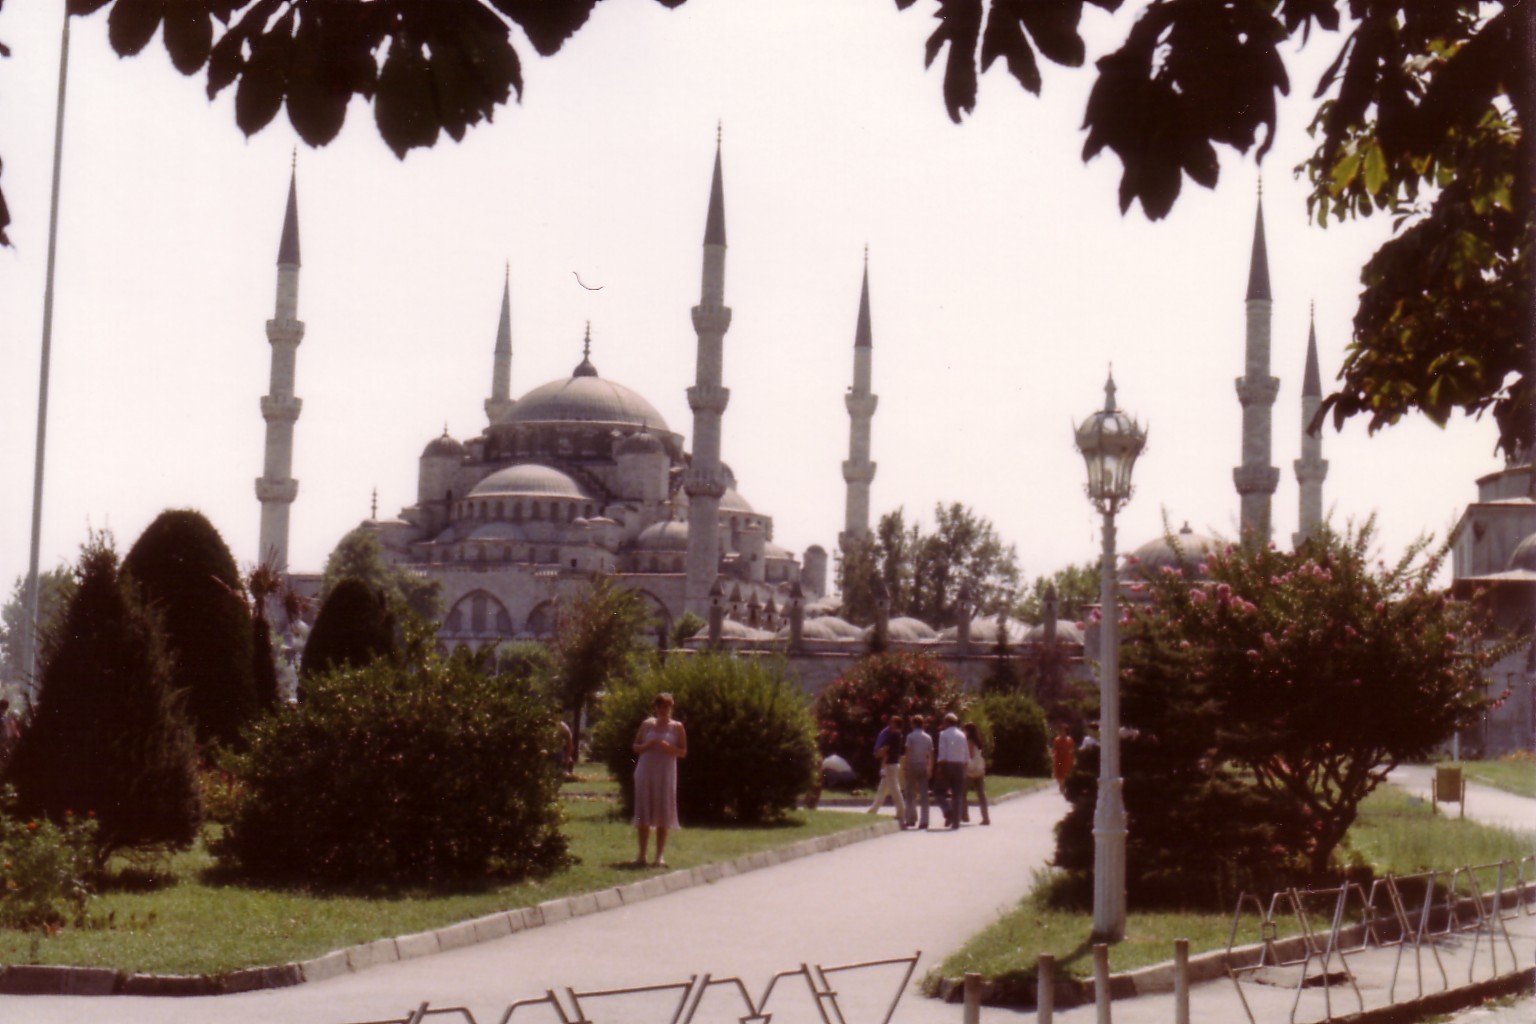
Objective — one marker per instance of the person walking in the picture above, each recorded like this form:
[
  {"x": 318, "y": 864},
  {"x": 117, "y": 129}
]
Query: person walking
[
  {"x": 888, "y": 747},
  {"x": 952, "y": 756},
  {"x": 917, "y": 768},
  {"x": 660, "y": 744},
  {"x": 975, "y": 774},
  {"x": 1063, "y": 752}
]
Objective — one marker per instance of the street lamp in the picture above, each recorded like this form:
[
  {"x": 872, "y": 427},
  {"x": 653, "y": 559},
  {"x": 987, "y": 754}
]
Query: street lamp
[{"x": 1110, "y": 442}]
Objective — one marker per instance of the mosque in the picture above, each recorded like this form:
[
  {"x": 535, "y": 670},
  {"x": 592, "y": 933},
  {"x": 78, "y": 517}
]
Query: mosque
[{"x": 582, "y": 475}]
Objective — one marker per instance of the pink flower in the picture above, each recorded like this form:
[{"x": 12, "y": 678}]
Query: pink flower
[
  {"x": 1079, "y": 624},
  {"x": 1202, "y": 569},
  {"x": 1450, "y": 638},
  {"x": 1253, "y": 655},
  {"x": 1269, "y": 641},
  {"x": 1137, "y": 588},
  {"x": 1183, "y": 645},
  {"x": 1223, "y": 593},
  {"x": 1132, "y": 560},
  {"x": 1381, "y": 607},
  {"x": 1349, "y": 631},
  {"x": 1197, "y": 596}
]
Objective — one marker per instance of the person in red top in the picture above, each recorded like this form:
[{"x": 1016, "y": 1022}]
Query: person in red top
[{"x": 1063, "y": 752}]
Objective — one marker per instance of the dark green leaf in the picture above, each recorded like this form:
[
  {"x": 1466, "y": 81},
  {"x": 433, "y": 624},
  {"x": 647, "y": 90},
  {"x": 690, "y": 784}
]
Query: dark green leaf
[
  {"x": 404, "y": 106},
  {"x": 188, "y": 35},
  {"x": 265, "y": 79},
  {"x": 132, "y": 24}
]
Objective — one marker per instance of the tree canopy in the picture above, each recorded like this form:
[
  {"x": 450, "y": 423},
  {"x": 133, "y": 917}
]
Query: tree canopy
[
  {"x": 925, "y": 574},
  {"x": 55, "y": 587},
  {"x": 598, "y": 633},
  {"x": 1077, "y": 587},
  {"x": 1420, "y": 114},
  {"x": 359, "y": 556}
]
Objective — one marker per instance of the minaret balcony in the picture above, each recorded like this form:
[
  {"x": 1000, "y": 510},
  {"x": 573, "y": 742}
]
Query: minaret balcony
[
  {"x": 861, "y": 405},
  {"x": 284, "y": 491},
  {"x": 704, "y": 481},
  {"x": 711, "y": 319},
  {"x": 1310, "y": 471},
  {"x": 858, "y": 472},
  {"x": 708, "y": 398},
  {"x": 281, "y": 408},
  {"x": 285, "y": 332},
  {"x": 1257, "y": 390},
  {"x": 1256, "y": 479}
]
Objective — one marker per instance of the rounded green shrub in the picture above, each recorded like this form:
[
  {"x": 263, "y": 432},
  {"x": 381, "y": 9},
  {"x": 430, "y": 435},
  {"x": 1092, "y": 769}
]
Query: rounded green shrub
[
  {"x": 353, "y": 628},
  {"x": 751, "y": 739},
  {"x": 1020, "y": 737},
  {"x": 849, "y": 710},
  {"x": 415, "y": 769}
]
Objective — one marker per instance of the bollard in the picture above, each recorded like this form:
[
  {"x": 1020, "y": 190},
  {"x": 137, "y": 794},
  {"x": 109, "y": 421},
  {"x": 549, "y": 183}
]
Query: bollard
[
  {"x": 1180, "y": 981},
  {"x": 1045, "y": 987},
  {"x": 972, "y": 998},
  {"x": 1101, "y": 981}
]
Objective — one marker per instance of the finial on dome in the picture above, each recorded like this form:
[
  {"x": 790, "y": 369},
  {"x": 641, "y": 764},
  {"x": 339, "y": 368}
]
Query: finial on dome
[
  {"x": 373, "y": 508},
  {"x": 585, "y": 367},
  {"x": 293, "y": 159},
  {"x": 719, "y": 131},
  {"x": 866, "y": 254},
  {"x": 1109, "y": 390}
]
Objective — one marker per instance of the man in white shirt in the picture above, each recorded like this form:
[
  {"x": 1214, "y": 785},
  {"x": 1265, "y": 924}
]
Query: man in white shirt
[{"x": 953, "y": 753}]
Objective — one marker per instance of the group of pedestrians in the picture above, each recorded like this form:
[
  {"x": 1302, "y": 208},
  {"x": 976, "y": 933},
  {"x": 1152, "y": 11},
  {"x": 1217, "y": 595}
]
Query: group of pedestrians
[{"x": 917, "y": 770}]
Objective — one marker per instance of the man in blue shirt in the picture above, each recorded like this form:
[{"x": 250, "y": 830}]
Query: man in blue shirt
[{"x": 888, "y": 745}]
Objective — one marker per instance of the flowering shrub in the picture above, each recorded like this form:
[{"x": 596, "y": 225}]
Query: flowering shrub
[
  {"x": 1274, "y": 697},
  {"x": 849, "y": 710},
  {"x": 414, "y": 769},
  {"x": 751, "y": 745},
  {"x": 44, "y": 868}
]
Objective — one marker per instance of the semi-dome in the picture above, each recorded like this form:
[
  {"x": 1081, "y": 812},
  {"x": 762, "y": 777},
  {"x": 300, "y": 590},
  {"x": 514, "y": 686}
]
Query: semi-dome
[
  {"x": 443, "y": 447},
  {"x": 530, "y": 479},
  {"x": 1525, "y": 555},
  {"x": 586, "y": 399},
  {"x": 732, "y": 501},
  {"x": 668, "y": 536},
  {"x": 1149, "y": 559}
]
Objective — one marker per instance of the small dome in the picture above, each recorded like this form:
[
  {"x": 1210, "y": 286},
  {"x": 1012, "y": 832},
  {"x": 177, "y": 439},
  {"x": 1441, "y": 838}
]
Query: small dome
[
  {"x": 830, "y": 627},
  {"x": 668, "y": 536},
  {"x": 1149, "y": 559},
  {"x": 530, "y": 478},
  {"x": 1525, "y": 555},
  {"x": 643, "y": 443},
  {"x": 1066, "y": 633},
  {"x": 984, "y": 631},
  {"x": 443, "y": 447},
  {"x": 732, "y": 501},
  {"x": 498, "y": 531},
  {"x": 909, "y": 629},
  {"x": 730, "y": 629},
  {"x": 772, "y": 550}
]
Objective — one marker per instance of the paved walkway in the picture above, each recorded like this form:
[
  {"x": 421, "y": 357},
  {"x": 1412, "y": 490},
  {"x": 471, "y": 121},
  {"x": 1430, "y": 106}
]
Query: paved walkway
[
  {"x": 1485, "y": 804},
  {"x": 882, "y": 898}
]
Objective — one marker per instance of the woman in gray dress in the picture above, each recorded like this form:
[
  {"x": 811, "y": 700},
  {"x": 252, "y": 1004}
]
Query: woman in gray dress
[{"x": 660, "y": 744}]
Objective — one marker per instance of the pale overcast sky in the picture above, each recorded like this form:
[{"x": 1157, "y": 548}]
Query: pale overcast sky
[{"x": 1004, "y": 281}]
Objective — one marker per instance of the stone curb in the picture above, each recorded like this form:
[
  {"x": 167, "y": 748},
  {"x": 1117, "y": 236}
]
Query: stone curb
[{"x": 39, "y": 979}]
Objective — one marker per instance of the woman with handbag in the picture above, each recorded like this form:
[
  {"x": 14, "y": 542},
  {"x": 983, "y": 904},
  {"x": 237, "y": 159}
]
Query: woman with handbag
[{"x": 975, "y": 775}]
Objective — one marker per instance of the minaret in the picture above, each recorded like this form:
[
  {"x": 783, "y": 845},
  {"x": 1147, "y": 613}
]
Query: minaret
[
  {"x": 1311, "y": 468},
  {"x": 1256, "y": 478},
  {"x": 705, "y": 479},
  {"x": 500, "y": 402},
  {"x": 858, "y": 471},
  {"x": 276, "y": 488}
]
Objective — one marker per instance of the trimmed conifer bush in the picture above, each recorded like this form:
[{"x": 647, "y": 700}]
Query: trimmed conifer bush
[
  {"x": 413, "y": 769},
  {"x": 353, "y": 628},
  {"x": 107, "y": 736},
  {"x": 1020, "y": 736},
  {"x": 850, "y": 709},
  {"x": 189, "y": 578},
  {"x": 751, "y": 739}
]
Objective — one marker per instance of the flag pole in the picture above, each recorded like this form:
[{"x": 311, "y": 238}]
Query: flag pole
[{"x": 29, "y": 632}]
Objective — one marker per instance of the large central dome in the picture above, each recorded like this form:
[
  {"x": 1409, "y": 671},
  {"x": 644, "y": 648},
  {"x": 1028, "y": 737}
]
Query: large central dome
[{"x": 586, "y": 399}]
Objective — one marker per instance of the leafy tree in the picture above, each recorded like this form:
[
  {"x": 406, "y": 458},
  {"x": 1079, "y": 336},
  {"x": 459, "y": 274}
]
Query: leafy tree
[
  {"x": 687, "y": 626},
  {"x": 1422, "y": 97},
  {"x": 55, "y": 587},
  {"x": 353, "y": 629},
  {"x": 360, "y": 557},
  {"x": 1312, "y": 673},
  {"x": 107, "y": 736},
  {"x": 189, "y": 577},
  {"x": 598, "y": 636},
  {"x": 1077, "y": 587},
  {"x": 923, "y": 573},
  {"x": 751, "y": 740},
  {"x": 417, "y": 769},
  {"x": 850, "y": 710}
]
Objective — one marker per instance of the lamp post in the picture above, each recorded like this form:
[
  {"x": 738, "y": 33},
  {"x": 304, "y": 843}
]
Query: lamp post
[{"x": 1110, "y": 441}]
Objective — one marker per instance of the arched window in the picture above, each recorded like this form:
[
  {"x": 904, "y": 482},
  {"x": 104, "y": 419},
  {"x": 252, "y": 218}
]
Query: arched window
[
  {"x": 477, "y": 613},
  {"x": 517, "y": 511}
]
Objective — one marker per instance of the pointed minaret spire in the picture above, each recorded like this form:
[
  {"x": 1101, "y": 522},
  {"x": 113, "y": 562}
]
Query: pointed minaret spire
[
  {"x": 288, "y": 247},
  {"x": 1256, "y": 479},
  {"x": 275, "y": 488},
  {"x": 858, "y": 470},
  {"x": 500, "y": 403},
  {"x": 704, "y": 481},
  {"x": 1311, "y": 468}
]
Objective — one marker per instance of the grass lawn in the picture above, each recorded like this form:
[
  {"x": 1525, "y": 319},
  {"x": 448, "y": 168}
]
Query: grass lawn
[
  {"x": 1512, "y": 775},
  {"x": 1395, "y": 833},
  {"x": 191, "y": 923}
]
